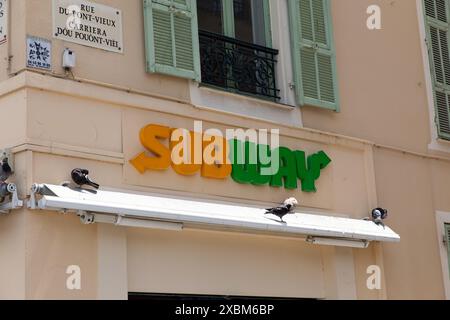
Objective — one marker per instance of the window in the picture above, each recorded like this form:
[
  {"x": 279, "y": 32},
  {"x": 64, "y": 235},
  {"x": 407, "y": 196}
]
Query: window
[
  {"x": 245, "y": 20},
  {"x": 234, "y": 47},
  {"x": 437, "y": 18},
  {"x": 210, "y": 16},
  {"x": 227, "y": 44},
  {"x": 250, "y": 23}
]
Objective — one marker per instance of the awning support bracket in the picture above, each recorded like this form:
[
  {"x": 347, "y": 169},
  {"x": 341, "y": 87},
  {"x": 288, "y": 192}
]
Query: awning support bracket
[
  {"x": 9, "y": 190},
  {"x": 35, "y": 189},
  {"x": 86, "y": 217}
]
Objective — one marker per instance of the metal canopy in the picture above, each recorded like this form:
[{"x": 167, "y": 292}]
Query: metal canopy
[{"x": 196, "y": 213}]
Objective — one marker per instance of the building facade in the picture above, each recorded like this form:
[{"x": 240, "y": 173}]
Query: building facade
[{"x": 363, "y": 116}]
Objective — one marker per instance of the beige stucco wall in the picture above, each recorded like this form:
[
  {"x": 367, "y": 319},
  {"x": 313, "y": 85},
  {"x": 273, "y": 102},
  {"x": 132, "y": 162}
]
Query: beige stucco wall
[
  {"x": 125, "y": 70},
  {"x": 13, "y": 51},
  {"x": 383, "y": 99},
  {"x": 381, "y": 77},
  {"x": 64, "y": 128},
  {"x": 223, "y": 264},
  {"x": 12, "y": 251}
]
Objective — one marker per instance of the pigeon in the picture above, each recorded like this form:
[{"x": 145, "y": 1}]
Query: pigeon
[
  {"x": 5, "y": 170},
  {"x": 378, "y": 215},
  {"x": 81, "y": 178},
  {"x": 286, "y": 208}
]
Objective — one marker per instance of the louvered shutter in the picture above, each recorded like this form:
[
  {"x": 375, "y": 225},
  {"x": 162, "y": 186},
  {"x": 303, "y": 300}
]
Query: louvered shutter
[
  {"x": 447, "y": 238},
  {"x": 438, "y": 23},
  {"x": 313, "y": 53},
  {"x": 171, "y": 35}
]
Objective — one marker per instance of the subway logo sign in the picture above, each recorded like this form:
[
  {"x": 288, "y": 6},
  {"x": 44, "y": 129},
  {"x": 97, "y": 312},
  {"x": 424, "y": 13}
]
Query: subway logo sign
[{"x": 213, "y": 156}]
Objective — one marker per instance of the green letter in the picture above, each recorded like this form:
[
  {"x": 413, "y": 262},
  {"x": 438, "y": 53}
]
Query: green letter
[
  {"x": 287, "y": 171},
  {"x": 260, "y": 179},
  {"x": 309, "y": 175},
  {"x": 244, "y": 161}
]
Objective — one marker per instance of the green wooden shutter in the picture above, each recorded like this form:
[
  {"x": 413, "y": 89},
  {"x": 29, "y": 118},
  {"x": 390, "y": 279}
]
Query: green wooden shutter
[
  {"x": 447, "y": 239},
  {"x": 313, "y": 53},
  {"x": 438, "y": 26},
  {"x": 171, "y": 35}
]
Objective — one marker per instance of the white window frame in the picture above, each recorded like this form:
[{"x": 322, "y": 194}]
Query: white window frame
[
  {"x": 436, "y": 143},
  {"x": 443, "y": 218}
]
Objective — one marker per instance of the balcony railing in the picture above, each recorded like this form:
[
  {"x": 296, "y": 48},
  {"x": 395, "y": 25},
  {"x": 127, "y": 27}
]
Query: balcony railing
[{"x": 238, "y": 66}]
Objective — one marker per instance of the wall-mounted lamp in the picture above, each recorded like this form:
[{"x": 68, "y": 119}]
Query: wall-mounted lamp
[
  {"x": 91, "y": 218},
  {"x": 149, "y": 224},
  {"x": 360, "y": 244}
]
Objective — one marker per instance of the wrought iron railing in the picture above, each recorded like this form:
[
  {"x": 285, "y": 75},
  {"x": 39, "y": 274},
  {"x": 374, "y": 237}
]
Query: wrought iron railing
[{"x": 238, "y": 66}]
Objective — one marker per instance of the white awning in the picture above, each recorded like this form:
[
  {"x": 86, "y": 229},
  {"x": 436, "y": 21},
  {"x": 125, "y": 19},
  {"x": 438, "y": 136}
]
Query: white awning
[{"x": 203, "y": 214}]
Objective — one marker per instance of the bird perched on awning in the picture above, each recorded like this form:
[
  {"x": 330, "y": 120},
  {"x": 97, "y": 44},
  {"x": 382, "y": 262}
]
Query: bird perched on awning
[
  {"x": 81, "y": 178},
  {"x": 286, "y": 208},
  {"x": 5, "y": 170},
  {"x": 378, "y": 215}
]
